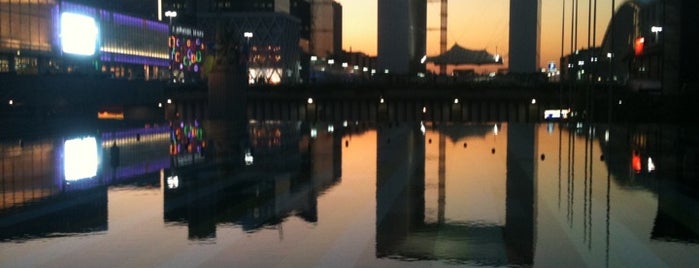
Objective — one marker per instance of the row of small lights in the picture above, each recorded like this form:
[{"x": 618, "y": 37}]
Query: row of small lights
[
  {"x": 11, "y": 102},
  {"x": 382, "y": 100},
  {"x": 592, "y": 59},
  {"x": 346, "y": 65},
  {"x": 309, "y": 101}
]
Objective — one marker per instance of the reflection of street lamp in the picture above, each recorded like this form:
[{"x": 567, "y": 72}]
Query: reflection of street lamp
[{"x": 656, "y": 30}]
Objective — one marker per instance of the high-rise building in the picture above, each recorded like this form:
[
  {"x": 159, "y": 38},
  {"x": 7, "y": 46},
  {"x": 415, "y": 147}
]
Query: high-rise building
[
  {"x": 402, "y": 32},
  {"x": 301, "y": 9},
  {"x": 525, "y": 35},
  {"x": 326, "y": 29},
  {"x": 286, "y": 26},
  {"x": 266, "y": 29}
]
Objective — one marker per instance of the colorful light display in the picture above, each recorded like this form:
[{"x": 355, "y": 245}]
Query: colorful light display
[{"x": 187, "y": 49}]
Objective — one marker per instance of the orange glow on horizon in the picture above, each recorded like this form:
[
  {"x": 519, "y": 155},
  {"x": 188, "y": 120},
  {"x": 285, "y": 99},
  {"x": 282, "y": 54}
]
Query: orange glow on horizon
[{"x": 478, "y": 24}]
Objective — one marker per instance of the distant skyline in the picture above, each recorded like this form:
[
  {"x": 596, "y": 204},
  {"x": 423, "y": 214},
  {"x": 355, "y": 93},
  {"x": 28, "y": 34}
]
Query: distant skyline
[{"x": 479, "y": 24}]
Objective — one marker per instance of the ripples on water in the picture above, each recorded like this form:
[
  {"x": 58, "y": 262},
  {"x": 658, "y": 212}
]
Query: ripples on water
[{"x": 364, "y": 195}]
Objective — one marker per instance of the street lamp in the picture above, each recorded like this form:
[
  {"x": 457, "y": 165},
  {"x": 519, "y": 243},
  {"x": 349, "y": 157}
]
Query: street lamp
[
  {"x": 248, "y": 36},
  {"x": 170, "y": 14}
]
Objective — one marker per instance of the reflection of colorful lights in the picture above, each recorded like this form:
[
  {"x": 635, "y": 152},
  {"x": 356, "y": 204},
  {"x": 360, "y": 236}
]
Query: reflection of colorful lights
[
  {"x": 187, "y": 138},
  {"x": 636, "y": 162},
  {"x": 651, "y": 165}
]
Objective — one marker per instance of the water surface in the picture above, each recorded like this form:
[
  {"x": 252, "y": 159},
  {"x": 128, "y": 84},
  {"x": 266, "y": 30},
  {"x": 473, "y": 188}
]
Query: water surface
[{"x": 353, "y": 194}]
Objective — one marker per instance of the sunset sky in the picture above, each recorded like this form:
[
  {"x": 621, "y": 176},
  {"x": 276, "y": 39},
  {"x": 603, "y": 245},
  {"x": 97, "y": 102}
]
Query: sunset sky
[{"x": 477, "y": 24}]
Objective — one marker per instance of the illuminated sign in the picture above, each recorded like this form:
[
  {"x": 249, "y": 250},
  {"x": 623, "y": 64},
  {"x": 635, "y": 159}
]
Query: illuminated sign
[
  {"x": 79, "y": 34},
  {"x": 115, "y": 113},
  {"x": 186, "y": 51},
  {"x": 179, "y": 30},
  {"x": 80, "y": 158}
]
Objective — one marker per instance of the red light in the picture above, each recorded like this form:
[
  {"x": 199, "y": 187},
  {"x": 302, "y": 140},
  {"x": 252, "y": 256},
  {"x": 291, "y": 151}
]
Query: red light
[
  {"x": 638, "y": 45},
  {"x": 636, "y": 162}
]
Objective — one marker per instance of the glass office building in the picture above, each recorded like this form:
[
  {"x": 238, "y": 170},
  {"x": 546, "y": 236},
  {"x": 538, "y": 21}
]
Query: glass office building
[
  {"x": 48, "y": 36},
  {"x": 27, "y": 34}
]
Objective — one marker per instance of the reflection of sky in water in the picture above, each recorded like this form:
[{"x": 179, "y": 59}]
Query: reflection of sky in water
[{"x": 583, "y": 214}]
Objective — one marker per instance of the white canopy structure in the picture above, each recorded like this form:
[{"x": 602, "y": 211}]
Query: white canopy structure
[{"x": 458, "y": 55}]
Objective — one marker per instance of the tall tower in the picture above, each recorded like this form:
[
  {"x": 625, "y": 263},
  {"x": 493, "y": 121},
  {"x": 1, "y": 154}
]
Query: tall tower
[
  {"x": 525, "y": 35},
  {"x": 402, "y": 33},
  {"x": 325, "y": 28}
]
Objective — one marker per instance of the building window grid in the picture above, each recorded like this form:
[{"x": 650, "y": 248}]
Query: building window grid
[
  {"x": 4, "y": 65},
  {"x": 35, "y": 31},
  {"x": 21, "y": 22}
]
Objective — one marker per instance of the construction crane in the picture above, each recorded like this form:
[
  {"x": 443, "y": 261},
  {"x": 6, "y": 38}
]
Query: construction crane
[{"x": 442, "y": 31}]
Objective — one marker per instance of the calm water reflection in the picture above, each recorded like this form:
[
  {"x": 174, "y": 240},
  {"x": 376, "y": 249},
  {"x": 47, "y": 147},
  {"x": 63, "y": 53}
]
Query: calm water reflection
[{"x": 368, "y": 195}]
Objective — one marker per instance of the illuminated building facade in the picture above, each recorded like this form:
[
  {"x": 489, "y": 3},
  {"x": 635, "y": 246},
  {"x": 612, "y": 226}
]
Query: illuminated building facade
[
  {"x": 653, "y": 44},
  {"x": 48, "y": 36},
  {"x": 268, "y": 33},
  {"x": 271, "y": 44},
  {"x": 281, "y": 32},
  {"x": 646, "y": 47},
  {"x": 402, "y": 33},
  {"x": 27, "y": 39}
]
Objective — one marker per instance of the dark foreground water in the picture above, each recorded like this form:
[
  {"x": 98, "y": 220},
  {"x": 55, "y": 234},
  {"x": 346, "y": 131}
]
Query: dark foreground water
[{"x": 367, "y": 195}]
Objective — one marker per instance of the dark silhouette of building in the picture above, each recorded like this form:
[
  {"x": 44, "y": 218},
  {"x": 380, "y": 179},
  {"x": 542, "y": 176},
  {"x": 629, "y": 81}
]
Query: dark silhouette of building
[
  {"x": 402, "y": 33},
  {"x": 525, "y": 36},
  {"x": 647, "y": 47}
]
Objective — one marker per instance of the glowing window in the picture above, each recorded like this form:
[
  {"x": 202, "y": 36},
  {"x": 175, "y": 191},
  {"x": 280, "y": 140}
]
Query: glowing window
[{"x": 78, "y": 34}]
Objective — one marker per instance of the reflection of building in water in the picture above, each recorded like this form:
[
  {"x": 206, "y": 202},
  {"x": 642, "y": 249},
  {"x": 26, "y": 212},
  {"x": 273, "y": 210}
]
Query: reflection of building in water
[
  {"x": 663, "y": 160},
  {"x": 603, "y": 173},
  {"x": 404, "y": 231},
  {"x": 79, "y": 212},
  {"x": 290, "y": 170},
  {"x": 636, "y": 154},
  {"x": 34, "y": 169},
  {"x": 187, "y": 143},
  {"x": 677, "y": 216},
  {"x": 143, "y": 151},
  {"x": 28, "y": 171}
]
